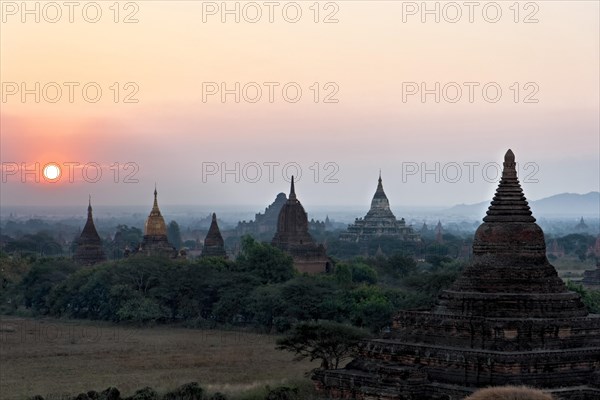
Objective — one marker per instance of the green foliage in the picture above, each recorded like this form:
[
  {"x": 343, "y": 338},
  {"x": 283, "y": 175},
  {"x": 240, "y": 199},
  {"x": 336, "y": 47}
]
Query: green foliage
[
  {"x": 39, "y": 244},
  {"x": 269, "y": 263},
  {"x": 591, "y": 298},
  {"x": 190, "y": 391},
  {"x": 259, "y": 288},
  {"x": 399, "y": 265},
  {"x": 43, "y": 275},
  {"x": 343, "y": 275},
  {"x": 140, "y": 310},
  {"x": 12, "y": 272},
  {"x": 437, "y": 260},
  {"x": 283, "y": 393},
  {"x": 329, "y": 342},
  {"x": 368, "y": 306},
  {"x": 576, "y": 243},
  {"x": 309, "y": 298},
  {"x": 362, "y": 273},
  {"x": 433, "y": 282},
  {"x": 146, "y": 393},
  {"x": 84, "y": 294},
  {"x": 267, "y": 307},
  {"x": 232, "y": 297}
]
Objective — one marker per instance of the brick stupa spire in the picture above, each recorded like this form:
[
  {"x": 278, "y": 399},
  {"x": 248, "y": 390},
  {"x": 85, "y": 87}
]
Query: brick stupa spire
[
  {"x": 510, "y": 275},
  {"x": 292, "y": 236},
  {"x": 214, "y": 246},
  {"x": 508, "y": 320},
  {"x": 89, "y": 245}
]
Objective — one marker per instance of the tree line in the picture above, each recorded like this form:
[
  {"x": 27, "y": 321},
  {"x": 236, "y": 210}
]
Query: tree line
[{"x": 260, "y": 288}]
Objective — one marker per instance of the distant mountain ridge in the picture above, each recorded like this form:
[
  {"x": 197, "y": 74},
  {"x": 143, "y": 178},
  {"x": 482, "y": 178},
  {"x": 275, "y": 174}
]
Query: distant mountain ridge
[{"x": 562, "y": 204}]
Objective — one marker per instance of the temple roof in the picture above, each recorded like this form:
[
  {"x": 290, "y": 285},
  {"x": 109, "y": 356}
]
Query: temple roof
[
  {"x": 380, "y": 200},
  {"x": 508, "y": 319},
  {"x": 292, "y": 196},
  {"x": 155, "y": 223},
  {"x": 213, "y": 243},
  {"x": 509, "y": 203},
  {"x": 379, "y": 221},
  {"x": 89, "y": 235},
  {"x": 292, "y": 223},
  {"x": 509, "y": 261},
  {"x": 89, "y": 245}
]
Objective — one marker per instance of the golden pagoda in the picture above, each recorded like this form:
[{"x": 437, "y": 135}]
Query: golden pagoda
[
  {"x": 155, "y": 240},
  {"x": 155, "y": 223}
]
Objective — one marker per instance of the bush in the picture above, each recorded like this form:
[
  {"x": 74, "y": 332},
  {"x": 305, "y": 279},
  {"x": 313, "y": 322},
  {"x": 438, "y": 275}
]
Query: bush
[
  {"x": 140, "y": 310},
  {"x": 112, "y": 393},
  {"x": 282, "y": 393},
  {"x": 189, "y": 391},
  {"x": 146, "y": 393},
  {"x": 509, "y": 393}
]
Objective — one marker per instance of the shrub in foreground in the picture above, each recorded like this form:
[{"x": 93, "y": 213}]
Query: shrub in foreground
[{"x": 509, "y": 393}]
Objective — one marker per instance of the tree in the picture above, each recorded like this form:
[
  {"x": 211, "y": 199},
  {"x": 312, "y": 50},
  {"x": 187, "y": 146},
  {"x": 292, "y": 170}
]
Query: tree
[
  {"x": 343, "y": 275},
  {"x": 329, "y": 342},
  {"x": 265, "y": 304},
  {"x": 174, "y": 234},
  {"x": 124, "y": 237},
  {"x": 12, "y": 271},
  {"x": 233, "y": 291},
  {"x": 368, "y": 306},
  {"x": 591, "y": 298},
  {"x": 40, "y": 243},
  {"x": 310, "y": 298},
  {"x": 269, "y": 263},
  {"x": 44, "y": 275},
  {"x": 141, "y": 310},
  {"x": 362, "y": 273}
]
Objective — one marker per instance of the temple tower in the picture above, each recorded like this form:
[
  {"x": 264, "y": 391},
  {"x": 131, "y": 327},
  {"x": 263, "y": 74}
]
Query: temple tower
[
  {"x": 507, "y": 320},
  {"x": 155, "y": 240},
  {"x": 379, "y": 221},
  {"x": 89, "y": 245},
  {"x": 292, "y": 236},
  {"x": 214, "y": 246}
]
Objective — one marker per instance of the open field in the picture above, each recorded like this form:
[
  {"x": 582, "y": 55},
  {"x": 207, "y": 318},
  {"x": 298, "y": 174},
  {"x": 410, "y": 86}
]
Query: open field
[{"x": 53, "y": 357}]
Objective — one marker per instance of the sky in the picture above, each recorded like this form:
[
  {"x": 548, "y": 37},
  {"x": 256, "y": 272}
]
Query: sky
[{"x": 215, "y": 110}]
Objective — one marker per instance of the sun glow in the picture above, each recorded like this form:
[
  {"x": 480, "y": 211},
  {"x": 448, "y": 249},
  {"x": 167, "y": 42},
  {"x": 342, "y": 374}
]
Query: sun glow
[{"x": 52, "y": 171}]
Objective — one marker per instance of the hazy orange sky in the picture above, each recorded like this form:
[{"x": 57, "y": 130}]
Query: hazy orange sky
[{"x": 368, "y": 61}]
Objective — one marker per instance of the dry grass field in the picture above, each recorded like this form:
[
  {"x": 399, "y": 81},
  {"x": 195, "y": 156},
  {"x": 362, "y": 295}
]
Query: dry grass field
[{"x": 54, "y": 357}]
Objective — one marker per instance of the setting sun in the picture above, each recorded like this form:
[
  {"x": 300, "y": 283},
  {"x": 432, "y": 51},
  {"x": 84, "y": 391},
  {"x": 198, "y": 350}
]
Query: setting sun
[{"x": 52, "y": 171}]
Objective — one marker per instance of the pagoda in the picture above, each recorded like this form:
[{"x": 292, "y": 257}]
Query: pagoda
[
  {"x": 379, "y": 221},
  {"x": 154, "y": 241},
  {"x": 89, "y": 245},
  {"x": 292, "y": 236},
  {"x": 591, "y": 278},
  {"x": 508, "y": 320},
  {"x": 581, "y": 226},
  {"x": 214, "y": 246}
]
